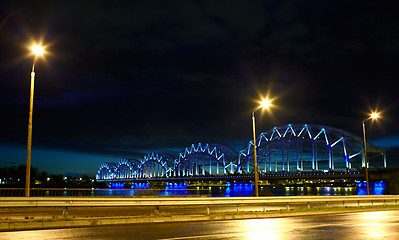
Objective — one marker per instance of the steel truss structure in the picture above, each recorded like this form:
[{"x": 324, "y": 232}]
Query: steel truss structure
[{"x": 291, "y": 148}]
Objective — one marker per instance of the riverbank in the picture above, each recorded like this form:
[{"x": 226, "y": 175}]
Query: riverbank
[{"x": 54, "y": 223}]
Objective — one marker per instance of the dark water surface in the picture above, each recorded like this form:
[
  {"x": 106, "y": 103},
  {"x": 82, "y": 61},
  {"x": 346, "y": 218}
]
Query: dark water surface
[{"x": 246, "y": 189}]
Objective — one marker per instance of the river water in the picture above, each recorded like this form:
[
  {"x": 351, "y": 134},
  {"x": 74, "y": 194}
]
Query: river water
[{"x": 245, "y": 189}]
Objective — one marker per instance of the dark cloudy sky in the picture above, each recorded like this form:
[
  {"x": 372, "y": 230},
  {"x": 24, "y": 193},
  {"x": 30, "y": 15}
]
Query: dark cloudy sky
[{"x": 125, "y": 78}]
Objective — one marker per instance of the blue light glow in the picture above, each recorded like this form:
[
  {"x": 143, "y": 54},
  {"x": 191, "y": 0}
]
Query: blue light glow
[
  {"x": 376, "y": 188},
  {"x": 117, "y": 186},
  {"x": 379, "y": 188},
  {"x": 239, "y": 190},
  {"x": 140, "y": 186},
  {"x": 175, "y": 189}
]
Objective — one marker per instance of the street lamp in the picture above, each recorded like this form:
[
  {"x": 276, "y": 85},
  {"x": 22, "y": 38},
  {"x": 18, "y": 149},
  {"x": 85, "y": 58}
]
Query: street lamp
[
  {"x": 373, "y": 116},
  {"x": 37, "y": 50},
  {"x": 264, "y": 104}
]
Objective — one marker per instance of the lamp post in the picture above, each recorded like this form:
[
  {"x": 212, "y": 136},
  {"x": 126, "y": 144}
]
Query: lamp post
[
  {"x": 373, "y": 116},
  {"x": 265, "y": 104},
  {"x": 37, "y": 50}
]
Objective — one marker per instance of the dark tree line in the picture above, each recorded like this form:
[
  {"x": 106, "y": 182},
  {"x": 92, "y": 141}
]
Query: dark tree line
[{"x": 15, "y": 177}]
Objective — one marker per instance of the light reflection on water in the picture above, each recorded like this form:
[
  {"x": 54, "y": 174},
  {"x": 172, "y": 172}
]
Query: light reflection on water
[
  {"x": 376, "y": 188},
  {"x": 242, "y": 190}
]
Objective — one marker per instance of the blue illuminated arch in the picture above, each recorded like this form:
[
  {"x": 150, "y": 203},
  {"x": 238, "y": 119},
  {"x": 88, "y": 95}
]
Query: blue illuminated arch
[
  {"x": 223, "y": 158},
  {"x": 127, "y": 168},
  {"x": 346, "y": 147},
  {"x": 156, "y": 165},
  {"x": 106, "y": 171}
]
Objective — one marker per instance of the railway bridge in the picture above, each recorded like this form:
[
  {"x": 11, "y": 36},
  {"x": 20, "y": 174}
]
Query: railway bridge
[{"x": 288, "y": 152}]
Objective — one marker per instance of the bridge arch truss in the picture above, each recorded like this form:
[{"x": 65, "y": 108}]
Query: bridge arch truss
[
  {"x": 106, "y": 171},
  {"x": 156, "y": 165},
  {"x": 305, "y": 148},
  {"x": 290, "y": 148},
  {"x": 205, "y": 160}
]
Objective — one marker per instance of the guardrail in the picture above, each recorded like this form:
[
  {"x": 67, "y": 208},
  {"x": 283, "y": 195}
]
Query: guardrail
[{"x": 156, "y": 202}]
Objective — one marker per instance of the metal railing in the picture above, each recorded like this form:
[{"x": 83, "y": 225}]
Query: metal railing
[
  {"x": 156, "y": 202},
  {"x": 178, "y": 201}
]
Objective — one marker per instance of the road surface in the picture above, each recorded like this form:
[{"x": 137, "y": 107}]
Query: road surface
[{"x": 351, "y": 226}]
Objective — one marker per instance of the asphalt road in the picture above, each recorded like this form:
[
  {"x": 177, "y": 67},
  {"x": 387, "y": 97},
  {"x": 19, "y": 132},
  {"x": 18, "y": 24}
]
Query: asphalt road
[
  {"x": 353, "y": 226},
  {"x": 50, "y": 212}
]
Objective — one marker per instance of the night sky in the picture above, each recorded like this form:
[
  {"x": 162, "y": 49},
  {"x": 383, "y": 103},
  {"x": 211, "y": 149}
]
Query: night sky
[{"x": 125, "y": 78}]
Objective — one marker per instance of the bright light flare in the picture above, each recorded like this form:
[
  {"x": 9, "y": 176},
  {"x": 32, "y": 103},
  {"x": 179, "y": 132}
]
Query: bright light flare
[
  {"x": 38, "y": 50},
  {"x": 266, "y": 103},
  {"x": 375, "y": 115}
]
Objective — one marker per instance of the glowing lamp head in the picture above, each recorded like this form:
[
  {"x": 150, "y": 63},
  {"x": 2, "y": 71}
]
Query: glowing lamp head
[
  {"x": 374, "y": 115},
  {"x": 265, "y": 103},
  {"x": 37, "y": 50}
]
